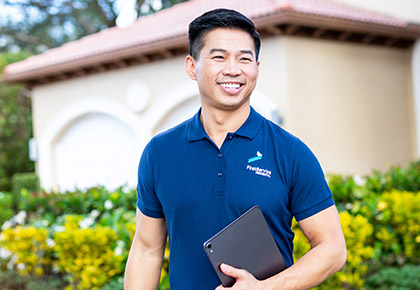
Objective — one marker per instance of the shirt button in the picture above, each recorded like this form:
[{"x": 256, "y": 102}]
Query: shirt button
[
  {"x": 230, "y": 137},
  {"x": 219, "y": 155},
  {"x": 219, "y": 174}
]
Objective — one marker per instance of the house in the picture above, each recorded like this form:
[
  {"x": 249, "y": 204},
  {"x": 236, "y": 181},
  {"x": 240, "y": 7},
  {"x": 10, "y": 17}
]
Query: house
[{"x": 343, "y": 75}]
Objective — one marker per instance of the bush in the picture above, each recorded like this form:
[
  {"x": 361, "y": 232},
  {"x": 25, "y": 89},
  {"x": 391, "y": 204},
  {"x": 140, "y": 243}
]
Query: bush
[
  {"x": 381, "y": 228},
  {"x": 398, "y": 178},
  {"x": 23, "y": 181},
  {"x": 395, "y": 278},
  {"x": 30, "y": 250},
  {"x": 114, "y": 284},
  {"x": 11, "y": 280},
  {"x": 87, "y": 255},
  {"x": 6, "y": 211},
  {"x": 52, "y": 205},
  {"x": 397, "y": 227},
  {"x": 358, "y": 233}
]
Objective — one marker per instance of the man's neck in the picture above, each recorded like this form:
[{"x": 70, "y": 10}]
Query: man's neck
[{"x": 218, "y": 123}]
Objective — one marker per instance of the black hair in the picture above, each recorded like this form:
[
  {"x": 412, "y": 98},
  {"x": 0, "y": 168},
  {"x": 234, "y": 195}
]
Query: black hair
[{"x": 219, "y": 18}]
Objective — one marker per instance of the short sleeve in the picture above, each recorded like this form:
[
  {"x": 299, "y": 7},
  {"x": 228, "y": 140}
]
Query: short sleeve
[
  {"x": 147, "y": 201},
  {"x": 310, "y": 193}
]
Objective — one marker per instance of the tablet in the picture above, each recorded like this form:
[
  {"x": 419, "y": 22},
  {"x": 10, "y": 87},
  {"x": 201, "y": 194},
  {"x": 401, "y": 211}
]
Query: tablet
[{"x": 246, "y": 243}]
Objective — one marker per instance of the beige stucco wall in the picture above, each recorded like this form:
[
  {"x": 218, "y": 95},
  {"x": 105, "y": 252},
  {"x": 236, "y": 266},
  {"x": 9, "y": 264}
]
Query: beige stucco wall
[{"x": 351, "y": 103}]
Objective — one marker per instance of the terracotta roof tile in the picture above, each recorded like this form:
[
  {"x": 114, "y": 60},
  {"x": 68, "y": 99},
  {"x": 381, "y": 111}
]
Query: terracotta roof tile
[{"x": 153, "y": 31}]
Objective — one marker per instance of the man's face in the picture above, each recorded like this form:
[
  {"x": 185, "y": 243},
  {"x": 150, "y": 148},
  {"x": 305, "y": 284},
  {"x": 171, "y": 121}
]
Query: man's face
[{"x": 226, "y": 70}]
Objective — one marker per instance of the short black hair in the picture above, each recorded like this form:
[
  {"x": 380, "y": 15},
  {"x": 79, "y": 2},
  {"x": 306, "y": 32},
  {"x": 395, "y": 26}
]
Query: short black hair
[{"x": 219, "y": 18}]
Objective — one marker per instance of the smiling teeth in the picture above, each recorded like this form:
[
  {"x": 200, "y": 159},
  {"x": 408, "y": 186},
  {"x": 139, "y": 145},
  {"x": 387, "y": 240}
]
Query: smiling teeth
[{"x": 230, "y": 85}]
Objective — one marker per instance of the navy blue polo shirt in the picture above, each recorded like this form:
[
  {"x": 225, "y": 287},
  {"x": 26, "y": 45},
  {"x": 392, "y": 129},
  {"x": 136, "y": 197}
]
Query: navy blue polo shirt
[{"x": 199, "y": 189}]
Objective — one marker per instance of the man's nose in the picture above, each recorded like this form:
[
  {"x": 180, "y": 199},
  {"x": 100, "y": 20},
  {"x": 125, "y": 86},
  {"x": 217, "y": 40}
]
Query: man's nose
[{"x": 231, "y": 68}]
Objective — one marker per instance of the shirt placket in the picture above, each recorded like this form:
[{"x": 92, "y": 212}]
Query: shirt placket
[{"x": 221, "y": 173}]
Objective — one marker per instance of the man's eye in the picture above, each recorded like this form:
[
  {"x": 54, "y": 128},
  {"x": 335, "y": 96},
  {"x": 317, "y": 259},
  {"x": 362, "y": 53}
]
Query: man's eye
[
  {"x": 217, "y": 57},
  {"x": 246, "y": 59}
]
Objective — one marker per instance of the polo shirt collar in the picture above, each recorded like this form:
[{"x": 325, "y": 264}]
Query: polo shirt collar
[
  {"x": 249, "y": 129},
  {"x": 196, "y": 130},
  {"x": 252, "y": 125}
]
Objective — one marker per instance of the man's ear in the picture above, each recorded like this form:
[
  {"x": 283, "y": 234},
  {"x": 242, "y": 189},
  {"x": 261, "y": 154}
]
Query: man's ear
[
  {"x": 258, "y": 67},
  {"x": 190, "y": 67}
]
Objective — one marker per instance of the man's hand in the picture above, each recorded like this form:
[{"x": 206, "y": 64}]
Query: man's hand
[{"x": 244, "y": 279}]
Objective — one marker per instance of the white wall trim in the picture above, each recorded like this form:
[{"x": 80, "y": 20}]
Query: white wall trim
[
  {"x": 168, "y": 102},
  {"x": 415, "y": 66},
  {"x": 65, "y": 117}
]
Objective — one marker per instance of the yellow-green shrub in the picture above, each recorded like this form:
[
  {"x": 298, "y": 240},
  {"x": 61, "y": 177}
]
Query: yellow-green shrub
[
  {"x": 398, "y": 225},
  {"x": 87, "y": 255},
  {"x": 30, "y": 249},
  {"x": 357, "y": 232}
]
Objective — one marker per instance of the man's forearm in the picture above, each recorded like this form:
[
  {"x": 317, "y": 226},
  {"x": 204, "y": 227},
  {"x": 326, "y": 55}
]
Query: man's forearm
[
  {"x": 312, "y": 269},
  {"x": 142, "y": 270}
]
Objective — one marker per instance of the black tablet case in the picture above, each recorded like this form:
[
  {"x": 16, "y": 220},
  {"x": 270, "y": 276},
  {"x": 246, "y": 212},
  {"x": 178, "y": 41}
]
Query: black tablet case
[{"x": 246, "y": 243}]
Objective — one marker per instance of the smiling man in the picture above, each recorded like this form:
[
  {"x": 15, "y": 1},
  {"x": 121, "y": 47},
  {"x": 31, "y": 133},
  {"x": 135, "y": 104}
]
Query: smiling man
[{"x": 197, "y": 177}]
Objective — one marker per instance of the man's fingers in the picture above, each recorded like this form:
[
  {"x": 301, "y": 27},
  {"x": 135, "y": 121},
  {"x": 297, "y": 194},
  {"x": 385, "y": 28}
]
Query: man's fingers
[{"x": 233, "y": 272}]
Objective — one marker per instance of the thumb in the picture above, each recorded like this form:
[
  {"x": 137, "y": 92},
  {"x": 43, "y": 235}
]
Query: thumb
[{"x": 233, "y": 272}]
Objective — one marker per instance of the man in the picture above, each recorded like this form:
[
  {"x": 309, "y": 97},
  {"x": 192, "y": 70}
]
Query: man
[{"x": 196, "y": 178}]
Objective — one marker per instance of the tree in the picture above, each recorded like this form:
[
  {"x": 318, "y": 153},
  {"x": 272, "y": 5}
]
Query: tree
[
  {"x": 32, "y": 26},
  {"x": 38, "y": 25},
  {"x": 15, "y": 127}
]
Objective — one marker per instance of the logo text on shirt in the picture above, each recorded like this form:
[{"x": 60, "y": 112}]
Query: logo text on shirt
[{"x": 259, "y": 171}]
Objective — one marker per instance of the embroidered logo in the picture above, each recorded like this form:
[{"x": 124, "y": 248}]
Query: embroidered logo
[
  {"x": 259, "y": 171},
  {"x": 256, "y": 158},
  {"x": 256, "y": 169}
]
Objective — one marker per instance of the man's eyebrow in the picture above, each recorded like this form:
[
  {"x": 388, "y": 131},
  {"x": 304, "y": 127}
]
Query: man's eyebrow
[
  {"x": 246, "y": 51},
  {"x": 213, "y": 50}
]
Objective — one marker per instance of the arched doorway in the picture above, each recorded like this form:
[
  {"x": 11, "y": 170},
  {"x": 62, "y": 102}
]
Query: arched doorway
[{"x": 96, "y": 149}]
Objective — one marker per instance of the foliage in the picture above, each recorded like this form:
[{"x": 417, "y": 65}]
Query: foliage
[
  {"x": 348, "y": 191},
  {"x": 28, "y": 181},
  {"x": 15, "y": 127},
  {"x": 358, "y": 233},
  {"x": 381, "y": 229},
  {"x": 23, "y": 182},
  {"x": 395, "y": 278},
  {"x": 30, "y": 250},
  {"x": 397, "y": 177},
  {"x": 38, "y": 25},
  {"x": 397, "y": 227},
  {"x": 358, "y": 192},
  {"x": 114, "y": 284},
  {"x": 6, "y": 202},
  {"x": 11, "y": 280},
  {"x": 49, "y": 206},
  {"x": 90, "y": 248},
  {"x": 87, "y": 255}
]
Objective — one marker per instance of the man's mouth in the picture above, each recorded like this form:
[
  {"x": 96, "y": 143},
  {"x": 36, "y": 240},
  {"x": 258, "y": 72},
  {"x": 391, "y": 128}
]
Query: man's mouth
[{"x": 231, "y": 88}]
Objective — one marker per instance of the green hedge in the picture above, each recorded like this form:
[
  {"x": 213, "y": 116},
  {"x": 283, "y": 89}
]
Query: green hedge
[
  {"x": 28, "y": 182},
  {"x": 6, "y": 207}
]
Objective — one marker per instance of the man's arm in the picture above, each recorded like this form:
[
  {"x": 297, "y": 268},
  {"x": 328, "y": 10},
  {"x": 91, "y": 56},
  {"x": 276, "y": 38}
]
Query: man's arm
[
  {"x": 144, "y": 262},
  {"x": 327, "y": 256}
]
